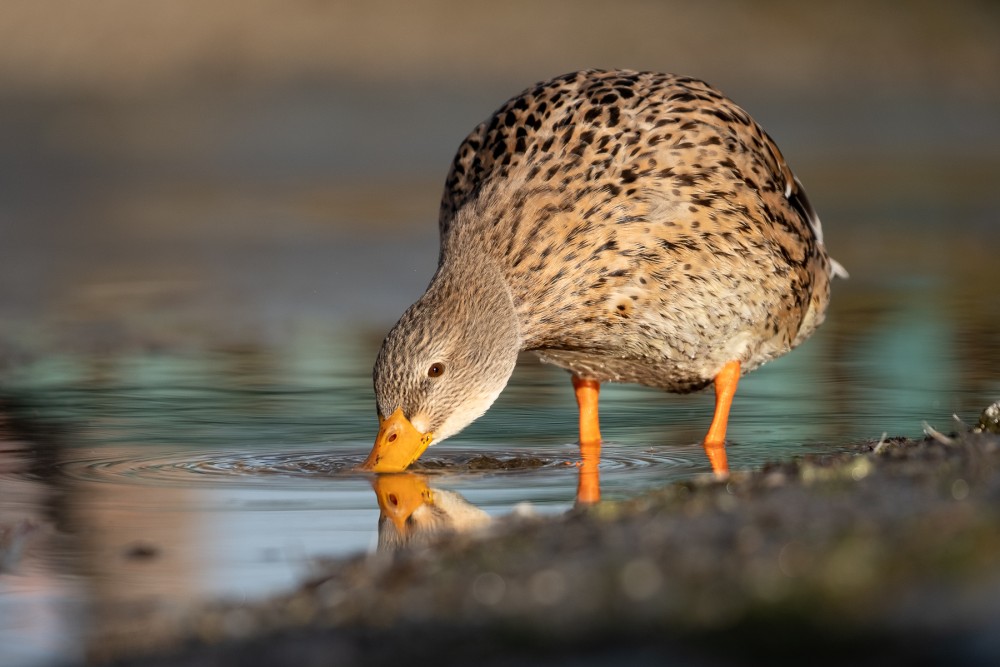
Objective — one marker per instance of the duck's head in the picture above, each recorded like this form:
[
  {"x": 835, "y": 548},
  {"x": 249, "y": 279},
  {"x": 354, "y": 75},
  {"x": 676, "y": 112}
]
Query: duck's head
[{"x": 442, "y": 365}]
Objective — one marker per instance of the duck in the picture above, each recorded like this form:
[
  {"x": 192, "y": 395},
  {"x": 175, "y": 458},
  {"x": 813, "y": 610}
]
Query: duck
[{"x": 626, "y": 226}]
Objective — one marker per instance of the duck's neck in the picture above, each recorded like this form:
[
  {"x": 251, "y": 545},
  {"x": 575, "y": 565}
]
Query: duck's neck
[{"x": 473, "y": 294}]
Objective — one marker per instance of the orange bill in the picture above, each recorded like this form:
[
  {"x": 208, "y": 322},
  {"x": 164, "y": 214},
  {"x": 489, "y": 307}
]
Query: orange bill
[
  {"x": 399, "y": 496},
  {"x": 397, "y": 445}
]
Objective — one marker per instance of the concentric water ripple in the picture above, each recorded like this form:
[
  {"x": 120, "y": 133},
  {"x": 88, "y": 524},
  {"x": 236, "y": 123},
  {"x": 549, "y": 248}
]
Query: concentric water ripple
[{"x": 188, "y": 467}]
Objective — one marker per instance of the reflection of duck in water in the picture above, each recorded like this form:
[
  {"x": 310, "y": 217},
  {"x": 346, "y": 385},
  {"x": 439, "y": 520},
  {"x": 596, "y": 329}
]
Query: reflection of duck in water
[
  {"x": 412, "y": 512},
  {"x": 626, "y": 226}
]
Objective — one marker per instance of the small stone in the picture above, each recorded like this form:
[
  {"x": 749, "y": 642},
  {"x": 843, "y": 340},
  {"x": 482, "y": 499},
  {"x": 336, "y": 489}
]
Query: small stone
[
  {"x": 548, "y": 587},
  {"x": 489, "y": 589},
  {"x": 861, "y": 468},
  {"x": 989, "y": 420},
  {"x": 641, "y": 579}
]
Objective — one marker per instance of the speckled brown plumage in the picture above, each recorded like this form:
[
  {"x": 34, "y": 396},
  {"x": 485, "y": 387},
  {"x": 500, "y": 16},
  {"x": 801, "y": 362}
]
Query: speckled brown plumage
[{"x": 643, "y": 229}]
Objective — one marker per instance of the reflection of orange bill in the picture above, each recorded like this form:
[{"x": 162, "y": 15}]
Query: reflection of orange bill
[
  {"x": 400, "y": 495},
  {"x": 397, "y": 445}
]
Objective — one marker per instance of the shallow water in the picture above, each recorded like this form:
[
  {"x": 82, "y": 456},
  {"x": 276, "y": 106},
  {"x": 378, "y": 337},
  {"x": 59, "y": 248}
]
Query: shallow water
[{"x": 185, "y": 385}]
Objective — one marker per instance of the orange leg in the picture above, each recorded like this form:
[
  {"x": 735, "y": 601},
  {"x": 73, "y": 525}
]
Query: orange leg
[
  {"x": 588, "y": 490},
  {"x": 715, "y": 441}
]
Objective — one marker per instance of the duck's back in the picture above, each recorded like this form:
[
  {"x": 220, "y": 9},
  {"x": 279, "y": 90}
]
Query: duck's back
[{"x": 648, "y": 228}]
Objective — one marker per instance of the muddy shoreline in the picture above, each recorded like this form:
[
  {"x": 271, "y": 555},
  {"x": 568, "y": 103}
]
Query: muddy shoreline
[{"x": 888, "y": 551}]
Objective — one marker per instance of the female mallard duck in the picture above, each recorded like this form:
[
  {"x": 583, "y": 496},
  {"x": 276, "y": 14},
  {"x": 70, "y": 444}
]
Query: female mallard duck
[{"x": 627, "y": 226}]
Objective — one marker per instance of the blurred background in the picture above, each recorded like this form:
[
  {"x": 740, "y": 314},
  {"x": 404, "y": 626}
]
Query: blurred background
[
  {"x": 234, "y": 168},
  {"x": 211, "y": 212}
]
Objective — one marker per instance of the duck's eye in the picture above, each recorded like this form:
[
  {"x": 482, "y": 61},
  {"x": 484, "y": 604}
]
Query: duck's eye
[{"x": 436, "y": 370}]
